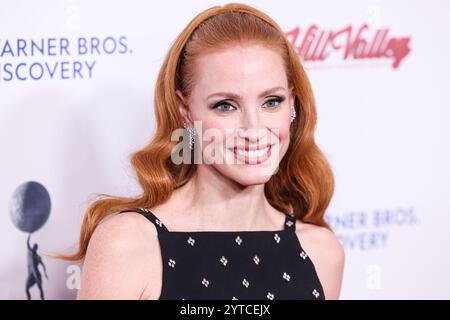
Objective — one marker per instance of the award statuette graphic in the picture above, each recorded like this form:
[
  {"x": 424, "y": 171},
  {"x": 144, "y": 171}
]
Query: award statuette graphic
[{"x": 29, "y": 210}]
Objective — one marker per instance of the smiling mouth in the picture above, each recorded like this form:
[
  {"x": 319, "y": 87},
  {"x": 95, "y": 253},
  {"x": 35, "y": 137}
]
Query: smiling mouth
[{"x": 252, "y": 155}]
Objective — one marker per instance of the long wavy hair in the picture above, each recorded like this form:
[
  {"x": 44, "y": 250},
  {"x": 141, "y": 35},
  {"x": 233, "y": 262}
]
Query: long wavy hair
[{"x": 303, "y": 184}]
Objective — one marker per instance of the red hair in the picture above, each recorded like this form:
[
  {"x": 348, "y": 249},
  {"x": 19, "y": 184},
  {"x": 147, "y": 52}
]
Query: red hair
[{"x": 303, "y": 184}]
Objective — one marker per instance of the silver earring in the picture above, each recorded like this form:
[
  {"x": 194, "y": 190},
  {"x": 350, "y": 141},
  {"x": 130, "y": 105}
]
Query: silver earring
[
  {"x": 293, "y": 114},
  {"x": 192, "y": 133}
]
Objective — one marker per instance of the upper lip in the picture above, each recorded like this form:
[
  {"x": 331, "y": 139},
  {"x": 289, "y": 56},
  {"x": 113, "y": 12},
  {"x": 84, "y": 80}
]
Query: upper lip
[{"x": 247, "y": 148}]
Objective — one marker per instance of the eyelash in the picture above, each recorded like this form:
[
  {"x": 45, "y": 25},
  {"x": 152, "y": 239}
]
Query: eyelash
[{"x": 223, "y": 102}]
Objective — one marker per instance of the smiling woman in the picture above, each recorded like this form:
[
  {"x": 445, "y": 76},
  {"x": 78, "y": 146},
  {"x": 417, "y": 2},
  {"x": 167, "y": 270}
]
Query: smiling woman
[{"x": 252, "y": 229}]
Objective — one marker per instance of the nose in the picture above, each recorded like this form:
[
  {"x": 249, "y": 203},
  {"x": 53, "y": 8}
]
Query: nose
[{"x": 251, "y": 129}]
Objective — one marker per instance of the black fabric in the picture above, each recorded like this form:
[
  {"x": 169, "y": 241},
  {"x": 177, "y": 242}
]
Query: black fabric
[{"x": 235, "y": 265}]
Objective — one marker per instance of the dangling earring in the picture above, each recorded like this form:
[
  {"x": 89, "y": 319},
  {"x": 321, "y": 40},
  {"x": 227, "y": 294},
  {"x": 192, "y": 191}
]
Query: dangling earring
[
  {"x": 293, "y": 114},
  {"x": 192, "y": 134}
]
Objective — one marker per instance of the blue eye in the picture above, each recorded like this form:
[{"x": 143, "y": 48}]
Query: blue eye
[
  {"x": 221, "y": 106},
  {"x": 274, "y": 102}
]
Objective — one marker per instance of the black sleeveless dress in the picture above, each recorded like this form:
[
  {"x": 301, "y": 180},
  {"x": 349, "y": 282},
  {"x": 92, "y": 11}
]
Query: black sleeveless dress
[{"x": 235, "y": 265}]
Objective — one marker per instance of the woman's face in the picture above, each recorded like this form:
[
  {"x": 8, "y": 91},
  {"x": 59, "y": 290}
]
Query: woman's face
[{"x": 241, "y": 105}]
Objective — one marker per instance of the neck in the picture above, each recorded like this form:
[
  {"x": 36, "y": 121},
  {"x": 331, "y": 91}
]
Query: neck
[{"x": 210, "y": 201}]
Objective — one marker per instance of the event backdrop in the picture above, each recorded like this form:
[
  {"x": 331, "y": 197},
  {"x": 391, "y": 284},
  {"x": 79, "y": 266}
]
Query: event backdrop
[{"x": 76, "y": 99}]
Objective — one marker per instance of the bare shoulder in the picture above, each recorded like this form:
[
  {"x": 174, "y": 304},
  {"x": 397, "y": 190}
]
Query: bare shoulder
[
  {"x": 129, "y": 226},
  {"x": 321, "y": 236},
  {"x": 326, "y": 253},
  {"x": 120, "y": 258}
]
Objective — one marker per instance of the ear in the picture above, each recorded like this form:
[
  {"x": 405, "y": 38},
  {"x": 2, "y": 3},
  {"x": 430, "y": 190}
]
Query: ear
[
  {"x": 292, "y": 96},
  {"x": 183, "y": 107}
]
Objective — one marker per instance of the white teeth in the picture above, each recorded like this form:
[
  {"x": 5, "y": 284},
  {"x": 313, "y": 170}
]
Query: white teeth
[{"x": 253, "y": 153}]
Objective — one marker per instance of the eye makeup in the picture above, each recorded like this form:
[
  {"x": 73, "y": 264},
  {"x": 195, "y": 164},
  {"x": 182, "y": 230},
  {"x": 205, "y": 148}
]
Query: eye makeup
[{"x": 218, "y": 105}]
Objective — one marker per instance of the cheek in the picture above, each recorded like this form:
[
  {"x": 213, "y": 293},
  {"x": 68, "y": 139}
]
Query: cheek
[
  {"x": 284, "y": 133},
  {"x": 280, "y": 127},
  {"x": 215, "y": 127},
  {"x": 215, "y": 132}
]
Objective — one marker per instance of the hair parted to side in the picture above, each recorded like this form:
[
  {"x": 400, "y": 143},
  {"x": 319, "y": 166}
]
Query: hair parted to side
[{"x": 304, "y": 182}]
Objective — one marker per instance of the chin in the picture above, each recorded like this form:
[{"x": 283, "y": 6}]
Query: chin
[{"x": 245, "y": 175}]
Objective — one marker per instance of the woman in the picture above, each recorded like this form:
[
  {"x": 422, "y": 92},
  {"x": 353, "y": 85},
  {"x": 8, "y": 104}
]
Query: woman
[{"x": 245, "y": 218}]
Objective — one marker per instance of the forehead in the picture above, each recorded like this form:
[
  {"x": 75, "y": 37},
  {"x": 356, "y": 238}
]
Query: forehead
[{"x": 239, "y": 68}]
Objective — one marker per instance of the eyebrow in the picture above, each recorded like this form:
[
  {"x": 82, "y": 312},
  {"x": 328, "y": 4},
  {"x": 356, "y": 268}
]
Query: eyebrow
[{"x": 237, "y": 97}]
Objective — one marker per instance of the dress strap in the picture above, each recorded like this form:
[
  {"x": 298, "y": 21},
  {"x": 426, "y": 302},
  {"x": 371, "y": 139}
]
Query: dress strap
[
  {"x": 289, "y": 223},
  {"x": 160, "y": 227}
]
